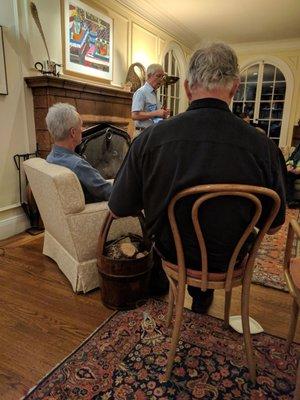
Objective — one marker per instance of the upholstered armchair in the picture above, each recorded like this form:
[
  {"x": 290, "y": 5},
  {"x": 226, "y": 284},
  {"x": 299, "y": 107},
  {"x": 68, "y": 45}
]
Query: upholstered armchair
[{"x": 71, "y": 226}]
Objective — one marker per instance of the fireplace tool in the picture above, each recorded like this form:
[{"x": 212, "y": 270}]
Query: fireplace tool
[
  {"x": 104, "y": 146},
  {"x": 30, "y": 208}
]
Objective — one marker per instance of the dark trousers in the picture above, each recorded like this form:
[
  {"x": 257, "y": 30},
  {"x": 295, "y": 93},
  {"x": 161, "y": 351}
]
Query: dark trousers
[
  {"x": 290, "y": 184},
  {"x": 159, "y": 283}
]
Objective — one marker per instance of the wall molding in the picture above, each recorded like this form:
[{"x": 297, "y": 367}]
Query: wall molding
[
  {"x": 13, "y": 225},
  {"x": 10, "y": 207},
  {"x": 172, "y": 27},
  {"x": 269, "y": 46}
]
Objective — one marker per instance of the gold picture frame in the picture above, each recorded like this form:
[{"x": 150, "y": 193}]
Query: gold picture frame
[
  {"x": 3, "y": 76},
  {"x": 88, "y": 41}
]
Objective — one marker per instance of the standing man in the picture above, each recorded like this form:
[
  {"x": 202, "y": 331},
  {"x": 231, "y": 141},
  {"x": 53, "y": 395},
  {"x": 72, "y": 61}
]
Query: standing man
[
  {"x": 146, "y": 109},
  {"x": 207, "y": 144},
  {"x": 65, "y": 126}
]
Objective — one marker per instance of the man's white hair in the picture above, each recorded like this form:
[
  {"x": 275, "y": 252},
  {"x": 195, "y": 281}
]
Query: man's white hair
[
  {"x": 60, "y": 119},
  {"x": 152, "y": 68},
  {"x": 212, "y": 66}
]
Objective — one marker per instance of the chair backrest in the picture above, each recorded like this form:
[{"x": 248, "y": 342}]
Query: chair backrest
[
  {"x": 202, "y": 195},
  {"x": 57, "y": 192}
]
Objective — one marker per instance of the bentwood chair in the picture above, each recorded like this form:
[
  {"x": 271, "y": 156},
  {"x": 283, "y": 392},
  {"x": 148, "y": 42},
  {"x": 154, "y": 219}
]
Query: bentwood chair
[
  {"x": 180, "y": 275},
  {"x": 291, "y": 267}
]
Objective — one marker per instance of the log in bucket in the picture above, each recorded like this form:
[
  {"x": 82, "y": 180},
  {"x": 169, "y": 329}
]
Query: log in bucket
[{"x": 125, "y": 282}]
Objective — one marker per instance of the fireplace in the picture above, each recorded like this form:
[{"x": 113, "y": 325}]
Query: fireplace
[
  {"x": 96, "y": 104},
  {"x": 104, "y": 146}
]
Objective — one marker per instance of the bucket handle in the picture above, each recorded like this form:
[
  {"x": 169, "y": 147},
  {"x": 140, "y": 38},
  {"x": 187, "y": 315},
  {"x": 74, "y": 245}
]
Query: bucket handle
[{"x": 108, "y": 219}]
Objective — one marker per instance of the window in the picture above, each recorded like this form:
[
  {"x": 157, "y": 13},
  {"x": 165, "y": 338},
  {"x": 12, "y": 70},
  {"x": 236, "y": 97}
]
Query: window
[
  {"x": 262, "y": 95},
  {"x": 169, "y": 95}
]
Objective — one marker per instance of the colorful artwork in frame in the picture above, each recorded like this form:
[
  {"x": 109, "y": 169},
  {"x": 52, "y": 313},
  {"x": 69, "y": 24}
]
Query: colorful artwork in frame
[
  {"x": 88, "y": 40},
  {"x": 3, "y": 79}
]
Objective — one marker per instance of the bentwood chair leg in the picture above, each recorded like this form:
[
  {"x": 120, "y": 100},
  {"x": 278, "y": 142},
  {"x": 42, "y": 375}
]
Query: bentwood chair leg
[
  {"x": 172, "y": 295},
  {"x": 227, "y": 307},
  {"x": 293, "y": 324},
  {"x": 176, "y": 329},
  {"x": 246, "y": 332},
  {"x": 297, "y": 389}
]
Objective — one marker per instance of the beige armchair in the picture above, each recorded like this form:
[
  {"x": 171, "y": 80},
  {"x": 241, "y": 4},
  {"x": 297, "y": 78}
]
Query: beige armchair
[{"x": 71, "y": 226}]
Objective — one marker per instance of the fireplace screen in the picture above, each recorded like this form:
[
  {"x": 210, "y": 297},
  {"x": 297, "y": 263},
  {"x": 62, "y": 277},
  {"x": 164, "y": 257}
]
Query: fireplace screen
[{"x": 104, "y": 146}]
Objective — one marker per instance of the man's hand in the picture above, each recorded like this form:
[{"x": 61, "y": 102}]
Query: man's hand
[
  {"x": 163, "y": 113},
  {"x": 295, "y": 171},
  {"x": 144, "y": 115}
]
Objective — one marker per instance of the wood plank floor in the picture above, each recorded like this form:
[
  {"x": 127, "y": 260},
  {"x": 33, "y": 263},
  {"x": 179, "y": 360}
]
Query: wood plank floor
[{"x": 42, "y": 320}]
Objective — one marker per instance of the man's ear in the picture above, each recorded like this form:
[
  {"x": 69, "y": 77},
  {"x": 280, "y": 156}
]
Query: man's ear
[
  {"x": 234, "y": 88},
  {"x": 72, "y": 132},
  {"x": 187, "y": 90}
]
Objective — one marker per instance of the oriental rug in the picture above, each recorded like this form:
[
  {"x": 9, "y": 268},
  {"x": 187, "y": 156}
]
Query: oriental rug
[
  {"x": 269, "y": 261},
  {"x": 125, "y": 359}
]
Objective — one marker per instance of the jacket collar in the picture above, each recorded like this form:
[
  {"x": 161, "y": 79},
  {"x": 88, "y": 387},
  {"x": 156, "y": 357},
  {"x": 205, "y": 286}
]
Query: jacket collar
[
  {"x": 208, "y": 103},
  {"x": 62, "y": 150}
]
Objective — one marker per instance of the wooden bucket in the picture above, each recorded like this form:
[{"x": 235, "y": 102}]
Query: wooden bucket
[{"x": 124, "y": 282}]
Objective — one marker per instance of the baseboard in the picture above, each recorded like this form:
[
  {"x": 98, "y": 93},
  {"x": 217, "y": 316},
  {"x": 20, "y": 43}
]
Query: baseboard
[{"x": 13, "y": 225}]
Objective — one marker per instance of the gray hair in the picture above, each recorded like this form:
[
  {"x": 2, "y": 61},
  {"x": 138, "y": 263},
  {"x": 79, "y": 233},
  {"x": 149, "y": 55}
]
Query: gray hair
[
  {"x": 152, "y": 68},
  {"x": 60, "y": 119},
  {"x": 212, "y": 66}
]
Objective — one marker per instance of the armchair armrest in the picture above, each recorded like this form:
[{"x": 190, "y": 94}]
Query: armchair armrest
[{"x": 85, "y": 228}]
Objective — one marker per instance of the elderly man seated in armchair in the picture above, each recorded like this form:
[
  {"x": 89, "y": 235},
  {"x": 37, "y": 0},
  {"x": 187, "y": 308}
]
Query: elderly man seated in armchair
[
  {"x": 71, "y": 196},
  {"x": 65, "y": 125}
]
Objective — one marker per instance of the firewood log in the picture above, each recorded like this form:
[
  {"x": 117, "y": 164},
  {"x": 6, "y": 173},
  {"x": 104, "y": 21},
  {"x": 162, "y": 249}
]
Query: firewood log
[{"x": 128, "y": 249}]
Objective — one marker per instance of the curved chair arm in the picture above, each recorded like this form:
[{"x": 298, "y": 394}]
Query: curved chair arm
[{"x": 293, "y": 228}]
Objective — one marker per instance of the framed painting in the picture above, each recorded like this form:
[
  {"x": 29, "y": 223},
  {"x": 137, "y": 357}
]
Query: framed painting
[
  {"x": 88, "y": 40},
  {"x": 3, "y": 78}
]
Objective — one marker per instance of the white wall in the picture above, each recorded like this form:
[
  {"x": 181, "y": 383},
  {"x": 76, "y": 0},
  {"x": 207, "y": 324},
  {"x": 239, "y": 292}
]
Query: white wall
[{"x": 13, "y": 127}]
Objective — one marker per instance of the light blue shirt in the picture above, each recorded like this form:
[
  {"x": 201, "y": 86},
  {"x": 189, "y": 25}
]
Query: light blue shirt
[
  {"x": 144, "y": 99},
  {"x": 94, "y": 186}
]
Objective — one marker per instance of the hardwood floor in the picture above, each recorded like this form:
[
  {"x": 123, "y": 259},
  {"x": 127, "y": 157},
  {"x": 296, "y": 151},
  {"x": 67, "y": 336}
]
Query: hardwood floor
[{"x": 42, "y": 320}]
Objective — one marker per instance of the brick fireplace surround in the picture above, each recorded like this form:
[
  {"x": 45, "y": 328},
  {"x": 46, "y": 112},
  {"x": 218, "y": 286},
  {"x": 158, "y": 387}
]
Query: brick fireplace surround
[{"x": 94, "y": 103}]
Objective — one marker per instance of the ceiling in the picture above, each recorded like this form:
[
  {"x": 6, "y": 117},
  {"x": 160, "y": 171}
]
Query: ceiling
[{"x": 232, "y": 21}]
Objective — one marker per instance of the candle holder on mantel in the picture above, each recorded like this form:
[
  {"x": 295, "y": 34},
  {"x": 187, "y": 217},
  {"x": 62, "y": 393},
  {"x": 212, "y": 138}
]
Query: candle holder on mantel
[{"x": 48, "y": 67}]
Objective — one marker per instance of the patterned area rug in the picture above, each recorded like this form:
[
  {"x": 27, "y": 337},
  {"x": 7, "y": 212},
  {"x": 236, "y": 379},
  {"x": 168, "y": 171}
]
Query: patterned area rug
[
  {"x": 126, "y": 358},
  {"x": 269, "y": 261}
]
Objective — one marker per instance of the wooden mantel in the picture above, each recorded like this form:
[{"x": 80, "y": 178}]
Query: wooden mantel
[{"x": 94, "y": 103}]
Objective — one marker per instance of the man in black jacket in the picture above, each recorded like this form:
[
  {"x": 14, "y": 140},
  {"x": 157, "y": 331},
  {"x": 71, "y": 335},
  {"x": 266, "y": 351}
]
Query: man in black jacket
[{"x": 207, "y": 144}]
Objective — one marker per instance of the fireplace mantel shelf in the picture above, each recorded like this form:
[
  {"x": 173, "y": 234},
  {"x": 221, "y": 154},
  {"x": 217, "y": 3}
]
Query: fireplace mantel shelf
[{"x": 68, "y": 84}]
